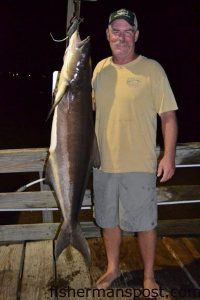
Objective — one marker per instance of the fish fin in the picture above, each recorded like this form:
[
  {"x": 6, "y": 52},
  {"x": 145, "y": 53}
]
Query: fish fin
[
  {"x": 72, "y": 237},
  {"x": 52, "y": 109},
  {"x": 56, "y": 77},
  {"x": 55, "y": 103},
  {"x": 79, "y": 242},
  {"x": 96, "y": 154},
  {"x": 63, "y": 239}
]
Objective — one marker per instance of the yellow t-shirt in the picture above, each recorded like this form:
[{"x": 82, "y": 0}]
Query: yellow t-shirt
[{"x": 128, "y": 98}]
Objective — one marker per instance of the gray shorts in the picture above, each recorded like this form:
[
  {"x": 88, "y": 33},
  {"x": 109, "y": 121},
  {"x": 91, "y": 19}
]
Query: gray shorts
[{"x": 127, "y": 200}]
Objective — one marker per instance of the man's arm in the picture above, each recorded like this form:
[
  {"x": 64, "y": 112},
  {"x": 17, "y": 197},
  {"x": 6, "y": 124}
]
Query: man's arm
[{"x": 166, "y": 167}]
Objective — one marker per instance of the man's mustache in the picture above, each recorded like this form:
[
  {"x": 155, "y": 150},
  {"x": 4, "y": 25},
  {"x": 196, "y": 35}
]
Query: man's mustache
[{"x": 120, "y": 43}]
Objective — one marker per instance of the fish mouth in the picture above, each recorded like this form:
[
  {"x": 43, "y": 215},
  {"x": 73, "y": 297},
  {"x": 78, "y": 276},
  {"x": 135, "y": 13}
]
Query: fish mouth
[{"x": 78, "y": 43}]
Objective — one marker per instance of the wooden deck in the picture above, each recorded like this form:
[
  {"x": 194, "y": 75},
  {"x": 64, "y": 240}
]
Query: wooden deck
[
  {"x": 27, "y": 266},
  {"x": 28, "y": 270}
]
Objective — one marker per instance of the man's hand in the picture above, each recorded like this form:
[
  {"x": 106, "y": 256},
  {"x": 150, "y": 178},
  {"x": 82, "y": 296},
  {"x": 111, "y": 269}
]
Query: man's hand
[{"x": 166, "y": 168}]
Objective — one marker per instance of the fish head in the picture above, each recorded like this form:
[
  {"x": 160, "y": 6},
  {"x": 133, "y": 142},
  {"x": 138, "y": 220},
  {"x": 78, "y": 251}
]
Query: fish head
[
  {"x": 76, "y": 59},
  {"x": 76, "y": 55}
]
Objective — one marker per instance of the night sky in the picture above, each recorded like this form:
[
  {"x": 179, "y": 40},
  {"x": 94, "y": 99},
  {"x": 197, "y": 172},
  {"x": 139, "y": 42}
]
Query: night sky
[{"x": 169, "y": 33}]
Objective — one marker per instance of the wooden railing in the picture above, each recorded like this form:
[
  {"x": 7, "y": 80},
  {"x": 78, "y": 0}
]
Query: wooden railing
[{"x": 33, "y": 160}]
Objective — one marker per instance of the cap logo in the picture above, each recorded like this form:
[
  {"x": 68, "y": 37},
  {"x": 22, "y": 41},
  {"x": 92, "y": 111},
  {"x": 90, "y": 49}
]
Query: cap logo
[{"x": 123, "y": 13}]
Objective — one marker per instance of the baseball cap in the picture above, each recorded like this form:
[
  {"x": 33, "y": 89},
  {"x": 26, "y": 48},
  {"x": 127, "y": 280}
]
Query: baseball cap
[{"x": 125, "y": 14}]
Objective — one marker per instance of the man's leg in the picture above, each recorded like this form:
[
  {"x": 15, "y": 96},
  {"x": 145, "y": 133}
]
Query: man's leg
[
  {"x": 147, "y": 243},
  {"x": 112, "y": 241}
]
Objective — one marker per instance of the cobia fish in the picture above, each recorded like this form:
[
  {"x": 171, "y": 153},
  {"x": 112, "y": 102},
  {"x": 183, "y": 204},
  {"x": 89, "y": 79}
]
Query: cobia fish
[{"x": 73, "y": 149}]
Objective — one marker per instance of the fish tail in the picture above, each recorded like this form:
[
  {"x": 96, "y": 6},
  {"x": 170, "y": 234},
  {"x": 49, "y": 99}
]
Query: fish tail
[
  {"x": 63, "y": 239},
  {"x": 68, "y": 236},
  {"x": 79, "y": 242}
]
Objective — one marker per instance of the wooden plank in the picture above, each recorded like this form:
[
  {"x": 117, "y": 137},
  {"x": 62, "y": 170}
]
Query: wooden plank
[
  {"x": 73, "y": 274},
  {"x": 22, "y": 160},
  {"x": 38, "y": 273},
  {"x": 40, "y": 231},
  {"x": 188, "y": 153},
  {"x": 10, "y": 269},
  {"x": 27, "y": 201},
  {"x": 27, "y": 232},
  {"x": 32, "y": 160},
  {"x": 42, "y": 200},
  {"x": 184, "y": 227},
  {"x": 46, "y": 231},
  {"x": 178, "y": 193},
  {"x": 38, "y": 200},
  {"x": 193, "y": 244},
  {"x": 90, "y": 230},
  {"x": 186, "y": 256}
]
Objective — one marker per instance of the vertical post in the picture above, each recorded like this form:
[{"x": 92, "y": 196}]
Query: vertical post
[
  {"x": 73, "y": 10},
  {"x": 47, "y": 216},
  {"x": 77, "y": 5},
  {"x": 70, "y": 12}
]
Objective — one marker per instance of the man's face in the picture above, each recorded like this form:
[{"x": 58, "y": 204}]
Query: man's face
[{"x": 121, "y": 36}]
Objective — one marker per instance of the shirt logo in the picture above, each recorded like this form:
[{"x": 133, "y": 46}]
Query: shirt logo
[{"x": 133, "y": 82}]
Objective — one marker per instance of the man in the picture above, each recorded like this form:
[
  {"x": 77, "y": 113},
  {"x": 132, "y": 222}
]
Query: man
[{"x": 129, "y": 91}]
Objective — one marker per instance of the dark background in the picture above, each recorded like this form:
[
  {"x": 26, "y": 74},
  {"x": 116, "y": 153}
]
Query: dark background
[{"x": 169, "y": 33}]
